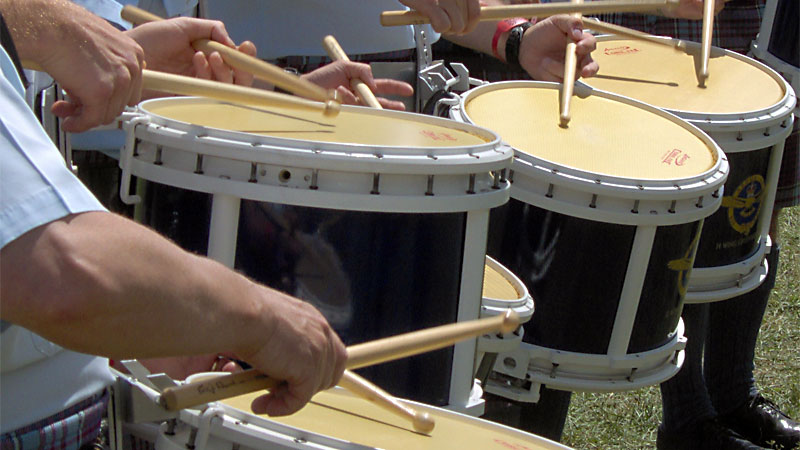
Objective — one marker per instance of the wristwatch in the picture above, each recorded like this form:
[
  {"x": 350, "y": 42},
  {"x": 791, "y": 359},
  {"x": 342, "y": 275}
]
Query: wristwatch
[{"x": 513, "y": 42}]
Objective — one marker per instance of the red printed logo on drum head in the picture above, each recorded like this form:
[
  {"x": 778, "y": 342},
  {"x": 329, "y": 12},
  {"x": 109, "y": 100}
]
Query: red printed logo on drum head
[
  {"x": 511, "y": 445},
  {"x": 621, "y": 50},
  {"x": 437, "y": 136},
  {"x": 675, "y": 156}
]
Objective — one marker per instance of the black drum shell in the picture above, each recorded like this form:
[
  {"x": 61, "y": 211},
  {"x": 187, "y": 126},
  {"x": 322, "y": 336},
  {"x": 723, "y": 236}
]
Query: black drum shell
[
  {"x": 575, "y": 269},
  {"x": 401, "y": 271}
]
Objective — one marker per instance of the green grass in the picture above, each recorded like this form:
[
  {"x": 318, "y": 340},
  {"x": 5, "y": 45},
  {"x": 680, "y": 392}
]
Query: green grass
[{"x": 628, "y": 420}]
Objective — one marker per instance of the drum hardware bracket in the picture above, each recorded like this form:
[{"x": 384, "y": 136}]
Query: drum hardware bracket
[{"x": 437, "y": 77}]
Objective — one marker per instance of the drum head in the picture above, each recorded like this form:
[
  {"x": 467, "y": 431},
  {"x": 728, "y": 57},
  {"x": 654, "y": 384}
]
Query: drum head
[
  {"x": 340, "y": 415},
  {"x": 353, "y": 125},
  {"x": 497, "y": 286},
  {"x": 666, "y": 77},
  {"x": 608, "y": 134}
]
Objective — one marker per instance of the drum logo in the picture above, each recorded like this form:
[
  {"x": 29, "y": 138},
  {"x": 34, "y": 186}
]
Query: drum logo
[
  {"x": 437, "y": 136},
  {"x": 684, "y": 265},
  {"x": 621, "y": 50},
  {"x": 745, "y": 203},
  {"x": 675, "y": 156}
]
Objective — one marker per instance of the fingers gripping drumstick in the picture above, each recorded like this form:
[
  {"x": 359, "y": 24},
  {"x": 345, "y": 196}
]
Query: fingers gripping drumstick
[
  {"x": 359, "y": 355},
  {"x": 242, "y": 61},
  {"x": 336, "y": 53}
]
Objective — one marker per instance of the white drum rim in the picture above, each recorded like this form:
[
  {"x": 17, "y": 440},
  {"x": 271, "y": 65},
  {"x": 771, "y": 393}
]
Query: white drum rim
[
  {"x": 650, "y": 367},
  {"x": 703, "y": 189},
  {"x": 194, "y": 417},
  {"x": 709, "y": 121},
  {"x": 284, "y": 143},
  {"x": 463, "y": 178}
]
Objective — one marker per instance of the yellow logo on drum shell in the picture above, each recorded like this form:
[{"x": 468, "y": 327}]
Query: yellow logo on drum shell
[
  {"x": 684, "y": 265},
  {"x": 745, "y": 203}
]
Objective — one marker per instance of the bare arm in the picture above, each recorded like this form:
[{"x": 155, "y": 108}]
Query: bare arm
[
  {"x": 101, "y": 284},
  {"x": 98, "y": 66},
  {"x": 542, "y": 48}
]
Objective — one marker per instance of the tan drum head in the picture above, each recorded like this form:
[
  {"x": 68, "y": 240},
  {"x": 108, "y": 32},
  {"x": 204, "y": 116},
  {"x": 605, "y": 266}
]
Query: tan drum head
[
  {"x": 352, "y": 125},
  {"x": 497, "y": 286},
  {"x": 665, "y": 77},
  {"x": 605, "y": 135},
  {"x": 352, "y": 419}
]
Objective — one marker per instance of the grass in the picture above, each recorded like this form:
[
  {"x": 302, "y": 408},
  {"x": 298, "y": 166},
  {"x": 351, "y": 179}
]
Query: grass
[{"x": 628, "y": 420}]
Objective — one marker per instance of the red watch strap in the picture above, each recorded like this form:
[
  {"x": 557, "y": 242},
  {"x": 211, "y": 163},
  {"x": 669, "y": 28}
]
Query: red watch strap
[{"x": 502, "y": 27}]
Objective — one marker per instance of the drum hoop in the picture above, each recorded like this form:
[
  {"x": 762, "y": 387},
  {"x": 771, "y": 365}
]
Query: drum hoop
[
  {"x": 595, "y": 179},
  {"x": 193, "y": 418},
  {"x": 746, "y": 119},
  {"x": 481, "y": 159},
  {"x": 284, "y": 143}
]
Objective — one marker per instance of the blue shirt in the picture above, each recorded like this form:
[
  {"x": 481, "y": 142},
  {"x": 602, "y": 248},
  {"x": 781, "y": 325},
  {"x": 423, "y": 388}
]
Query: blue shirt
[{"x": 37, "y": 377}]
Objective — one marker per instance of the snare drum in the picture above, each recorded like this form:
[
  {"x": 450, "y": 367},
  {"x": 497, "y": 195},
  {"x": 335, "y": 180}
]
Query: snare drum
[
  {"x": 602, "y": 228},
  {"x": 376, "y": 217},
  {"x": 747, "y": 109},
  {"x": 502, "y": 290},
  {"x": 335, "y": 419}
]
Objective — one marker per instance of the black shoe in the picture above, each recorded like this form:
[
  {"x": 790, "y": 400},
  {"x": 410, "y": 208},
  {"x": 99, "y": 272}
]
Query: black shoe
[
  {"x": 707, "y": 435},
  {"x": 763, "y": 423}
]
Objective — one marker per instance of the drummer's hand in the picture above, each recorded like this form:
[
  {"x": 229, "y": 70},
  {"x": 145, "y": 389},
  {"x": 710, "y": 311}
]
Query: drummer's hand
[
  {"x": 98, "y": 66},
  {"x": 544, "y": 45},
  {"x": 296, "y": 344},
  {"x": 167, "y": 47},
  {"x": 690, "y": 9},
  {"x": 448, "y": 16},
  {"x": 338, "y": 74}
]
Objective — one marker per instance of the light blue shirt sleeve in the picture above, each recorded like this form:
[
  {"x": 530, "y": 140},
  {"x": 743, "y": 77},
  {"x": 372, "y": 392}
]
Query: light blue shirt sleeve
[{"x": 35, "y": 185}]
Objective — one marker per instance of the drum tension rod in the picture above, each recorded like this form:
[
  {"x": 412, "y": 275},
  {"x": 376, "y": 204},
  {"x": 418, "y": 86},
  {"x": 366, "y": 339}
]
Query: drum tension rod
[
  {"x": 553, "y": 370},
  {"x": 314, "y": 179},
  {"x": 199, "y": 165},
  {"x": 593, "y": 204},
  {"x": 376, "y": 179},
  {"x": 671, "y": 209},
  {"x": 630, "y": 376},
  {"x": 549, "y": 193},
  {"x": 635, "y": 209},
  {"x": 471, "y": 189},
  {"x": 253, "y": 173},
  {"x": 429, "y": 192},
  {"x": 159, "y": 152},
  {"x": 136, "y": 142}
]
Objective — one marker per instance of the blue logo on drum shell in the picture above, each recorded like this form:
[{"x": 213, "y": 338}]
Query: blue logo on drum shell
[{"x": 745, "y": 203}]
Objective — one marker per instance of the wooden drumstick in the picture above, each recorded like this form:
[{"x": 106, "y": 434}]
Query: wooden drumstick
[
  {"x": 336, "y": 53},
  {"x": 360, "y": 355},
  {"x": 568, "y": 84},
  {"x": 705, "y": 51},
  {"x": 178, "y": 84},
  {"x": 493, "y": 13},
  {"x": 242, "y": 61},
  {"x": 422, "y": 421},
  {"x": 605, "y": 27}
]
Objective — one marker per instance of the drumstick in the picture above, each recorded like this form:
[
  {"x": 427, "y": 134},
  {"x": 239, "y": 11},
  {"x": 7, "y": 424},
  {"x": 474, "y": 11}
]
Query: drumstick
[
  {"x": 336, "y": 53},
  {"x": 605, "y": 27},
  {"x": 422, "y": 421},
  {"x": 568, "y": 84},
  {"x": 242, "y": 61},
  {"x": 708, "y": 28},
  {"x": 359, "y": 355},
  {"x": 178, "y": 84},
  {"x": 493, "y": 13}
]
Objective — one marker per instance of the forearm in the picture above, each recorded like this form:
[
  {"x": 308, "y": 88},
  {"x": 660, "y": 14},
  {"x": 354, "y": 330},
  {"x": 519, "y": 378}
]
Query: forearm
[
  {"x": 136, "y": 295},
  {"x": 36, "y": 24}
]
